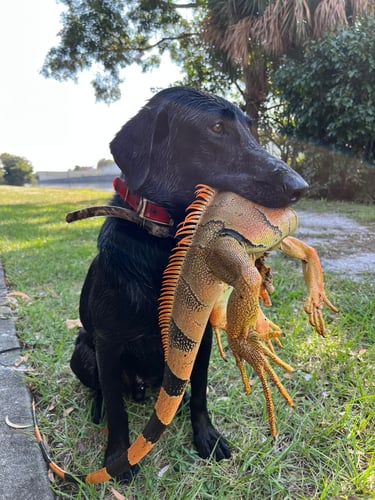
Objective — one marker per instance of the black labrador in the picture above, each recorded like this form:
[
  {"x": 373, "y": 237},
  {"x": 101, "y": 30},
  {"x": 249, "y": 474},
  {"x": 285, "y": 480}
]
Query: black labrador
[{"x": 181, "y": 138}]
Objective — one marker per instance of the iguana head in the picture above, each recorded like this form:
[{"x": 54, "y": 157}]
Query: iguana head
[{"x": 260, "y": 228}]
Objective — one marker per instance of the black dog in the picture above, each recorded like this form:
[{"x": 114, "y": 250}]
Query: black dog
[{"x": 181, "y": 138}]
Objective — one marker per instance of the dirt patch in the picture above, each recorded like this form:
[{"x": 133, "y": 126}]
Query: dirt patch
[{"x": 344, "y": 245}]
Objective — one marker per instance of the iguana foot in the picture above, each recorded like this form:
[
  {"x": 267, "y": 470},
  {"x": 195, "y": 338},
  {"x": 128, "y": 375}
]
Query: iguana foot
[
  {"x": 252, "y": 350},
  {"x": 219, "y": 343},
  {"x": 314, "y": 308}
]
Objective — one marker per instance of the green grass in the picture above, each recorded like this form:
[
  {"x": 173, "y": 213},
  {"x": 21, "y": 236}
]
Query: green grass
[{"x": 325, "y": 445}]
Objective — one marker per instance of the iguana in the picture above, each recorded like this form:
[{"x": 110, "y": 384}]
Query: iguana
[{"x": 220, "y": 240}]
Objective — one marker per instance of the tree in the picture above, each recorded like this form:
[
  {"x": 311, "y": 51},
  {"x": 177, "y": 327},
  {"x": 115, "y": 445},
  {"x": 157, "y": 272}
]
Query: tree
[
  {"x": 103, "y": 162},
  {"x": 17, "y": 170},
  {"x": 221, "y": 44},
  {"x": 329, "y": 96},
  {"x": 254, "y": 34},
  {"x": 329, "y": 100},
  {"x": 1, "y": 173},
  {"x": 112, "y": 35}
]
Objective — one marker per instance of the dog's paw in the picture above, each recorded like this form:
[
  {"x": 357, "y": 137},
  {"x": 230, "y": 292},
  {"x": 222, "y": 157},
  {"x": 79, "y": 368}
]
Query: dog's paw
[{"x": 209, "y": 442}]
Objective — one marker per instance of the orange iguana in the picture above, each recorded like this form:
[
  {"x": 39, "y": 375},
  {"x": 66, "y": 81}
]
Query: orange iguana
[{"x": 222, "y": 236}]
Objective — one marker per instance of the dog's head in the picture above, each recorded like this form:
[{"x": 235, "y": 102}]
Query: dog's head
[{"x": 184, "y": 137}]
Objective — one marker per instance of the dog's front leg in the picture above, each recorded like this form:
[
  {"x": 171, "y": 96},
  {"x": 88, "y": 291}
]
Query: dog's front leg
[
  {"x": 207, "y": 439},
  {"x": 110, "y": 370}
]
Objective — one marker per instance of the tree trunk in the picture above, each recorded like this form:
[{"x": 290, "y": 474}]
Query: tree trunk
[{"x": 256, "y": 86}]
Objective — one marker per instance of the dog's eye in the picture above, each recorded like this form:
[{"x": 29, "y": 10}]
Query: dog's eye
[{"x": 217, "y": 127}]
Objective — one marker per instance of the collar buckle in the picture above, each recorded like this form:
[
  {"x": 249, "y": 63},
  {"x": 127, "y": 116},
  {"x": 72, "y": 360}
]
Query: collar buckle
[{"x": 147, "y": 210}]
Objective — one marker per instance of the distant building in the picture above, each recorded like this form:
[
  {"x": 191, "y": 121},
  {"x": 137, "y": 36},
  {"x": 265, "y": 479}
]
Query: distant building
[{"x": 84, "y": 178}]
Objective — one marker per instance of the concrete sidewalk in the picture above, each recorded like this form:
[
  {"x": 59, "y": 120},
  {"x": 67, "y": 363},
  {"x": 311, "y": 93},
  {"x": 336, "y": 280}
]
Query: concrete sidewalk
[{"x": 23, "y": 472}]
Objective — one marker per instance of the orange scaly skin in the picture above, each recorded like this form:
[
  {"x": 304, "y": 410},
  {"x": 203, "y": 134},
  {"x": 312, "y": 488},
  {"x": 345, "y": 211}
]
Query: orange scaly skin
[
  {"x": 313, "y": 274},
  {"x": 222, "y": 236}
]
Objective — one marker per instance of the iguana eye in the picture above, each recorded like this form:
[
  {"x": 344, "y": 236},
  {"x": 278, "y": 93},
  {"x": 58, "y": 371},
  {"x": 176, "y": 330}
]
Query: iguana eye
[{"x": 217, "y": 127}]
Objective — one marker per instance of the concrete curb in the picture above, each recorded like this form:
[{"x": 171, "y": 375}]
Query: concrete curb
[{"x": 23, "y": 470}]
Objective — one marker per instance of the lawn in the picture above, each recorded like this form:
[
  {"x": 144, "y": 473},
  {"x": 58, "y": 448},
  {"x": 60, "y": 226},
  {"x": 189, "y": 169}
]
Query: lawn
[{"x": 325, "y": 445}]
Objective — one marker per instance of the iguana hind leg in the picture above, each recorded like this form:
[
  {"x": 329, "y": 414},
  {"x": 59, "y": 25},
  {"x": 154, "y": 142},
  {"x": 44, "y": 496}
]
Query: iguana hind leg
[{"x": 230, "y": 262}]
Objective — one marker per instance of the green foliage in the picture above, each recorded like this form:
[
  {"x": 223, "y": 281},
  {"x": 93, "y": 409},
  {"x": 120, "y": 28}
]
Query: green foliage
[
  {"x": 16, "y": 170},
  {"x": 330, "y": 94},
  {"x": 111, "y": 35},
  {"x": 333, "y": 175},
  {"x": 103, "y": 162}
]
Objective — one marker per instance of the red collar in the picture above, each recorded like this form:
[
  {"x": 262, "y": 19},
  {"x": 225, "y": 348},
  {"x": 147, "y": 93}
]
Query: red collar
[{"x": 145, "y": 208}]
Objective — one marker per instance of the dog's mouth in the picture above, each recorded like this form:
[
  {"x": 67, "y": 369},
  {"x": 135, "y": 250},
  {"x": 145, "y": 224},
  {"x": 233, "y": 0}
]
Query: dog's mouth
[
  {"x": 274, "y": 195},
  {"x": 297, "y": 196}
]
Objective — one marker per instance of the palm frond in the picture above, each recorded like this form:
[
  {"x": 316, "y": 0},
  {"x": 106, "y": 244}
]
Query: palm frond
[
  {"x": 328, "y": 15},
  {"x": 275, "y": 26},
  {"x": 361, "y": 7},
  {"x": 236, "y": 42},
  {"x": 284, "y": 23}
]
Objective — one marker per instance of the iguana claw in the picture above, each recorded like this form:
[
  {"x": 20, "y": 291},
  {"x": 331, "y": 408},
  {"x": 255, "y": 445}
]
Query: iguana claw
[
  {"x": 252, "y": 350},
  {"x": 314, "y": 306}
]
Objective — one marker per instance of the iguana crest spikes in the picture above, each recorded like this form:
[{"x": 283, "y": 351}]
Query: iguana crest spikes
[{"x": 186, "y": 229}]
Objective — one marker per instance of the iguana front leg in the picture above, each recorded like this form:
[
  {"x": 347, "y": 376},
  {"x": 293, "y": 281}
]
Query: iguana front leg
[
  {"x": 266, "y": 329},
  {"x": 229, "y": 261},
  {"x": 313, "y": 274}
]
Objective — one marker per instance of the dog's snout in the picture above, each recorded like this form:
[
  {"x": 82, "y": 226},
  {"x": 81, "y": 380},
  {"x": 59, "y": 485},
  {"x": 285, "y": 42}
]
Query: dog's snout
[
  {"x": 296, "y": 195},
  {"x": 295, "y": 188},
  {"x": 293, "y": 185}
]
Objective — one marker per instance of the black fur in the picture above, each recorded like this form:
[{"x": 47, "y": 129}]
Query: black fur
[{"x": 181, "y": 138}]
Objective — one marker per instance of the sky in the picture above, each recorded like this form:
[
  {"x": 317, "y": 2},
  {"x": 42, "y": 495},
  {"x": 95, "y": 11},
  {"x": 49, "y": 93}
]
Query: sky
[{"x": 58, "y": 125}]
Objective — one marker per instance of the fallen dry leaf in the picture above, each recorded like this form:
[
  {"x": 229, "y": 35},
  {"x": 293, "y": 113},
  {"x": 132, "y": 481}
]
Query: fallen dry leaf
[
  {"x": 68, "y": 411},
  {"x": 18, "y": 294},
  {"x": 163, "y": 470},
  {"x": 51, "y": 476},
  {"x": 117, "y": 495},
  {"x": 20, "y": 360},
  {"x": 361, "y": 351},
  {"x": 73, "y": 323}
]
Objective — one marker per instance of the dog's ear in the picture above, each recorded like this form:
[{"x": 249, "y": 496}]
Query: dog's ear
[{"x": 133, "y": 146}]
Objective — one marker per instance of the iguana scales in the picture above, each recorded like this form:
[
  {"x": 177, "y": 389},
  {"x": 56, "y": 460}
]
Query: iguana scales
[{"x": 220, "y": 240}]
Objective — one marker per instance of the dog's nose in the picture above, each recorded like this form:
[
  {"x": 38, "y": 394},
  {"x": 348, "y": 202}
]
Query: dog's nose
[{"x": 295, "y": 187}]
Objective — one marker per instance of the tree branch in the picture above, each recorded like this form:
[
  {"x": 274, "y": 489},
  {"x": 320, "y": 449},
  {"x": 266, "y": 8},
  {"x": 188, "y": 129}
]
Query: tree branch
[
  {"x": 184, "y": 5},
  {"x": 166, "y": 39}
]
